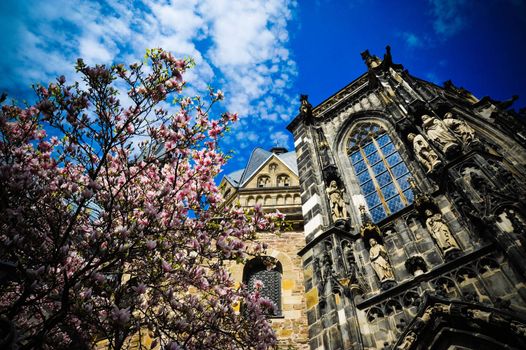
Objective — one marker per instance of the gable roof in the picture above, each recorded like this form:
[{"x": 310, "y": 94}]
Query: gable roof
[
  {"x": 289, "y": 159},
  {"x": 234, "y": 177},
  {"x": 257, "y": 159}
]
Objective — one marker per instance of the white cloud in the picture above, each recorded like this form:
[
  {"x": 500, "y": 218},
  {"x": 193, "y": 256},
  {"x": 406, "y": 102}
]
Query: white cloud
[
  {"x": 94, "y": 51},
  {"x": 240, "y": 45},
  {"x": 448, "y": 16},
  {"x": 246, "y": 136},
  {"x": 411, "y": 39},
  {"x": 280, "y": 139}
]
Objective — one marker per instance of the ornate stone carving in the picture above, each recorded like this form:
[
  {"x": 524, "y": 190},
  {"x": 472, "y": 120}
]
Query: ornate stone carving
[
  {"x": 509, "y": 183},
  {"x": 424, "y": 153},
  {"x": 263, "y": 181},
  {"x": 338, "y": 209},
  {"x": 518, "y": 328},
  {"x": 416, "y": 265},
  {"x": 326, "y": 265},
  {"x": 479, "y": 315},
  {"x": 305, "y": 107},
  {"x": 349, "y": 258},
  {"x": 460, "y": 128},
  {"x": 440, "y": 232},
  {"x": 339, "y": 261},
  {"x": 437, "y": 132},
  {"x": 283, "y": 181},
  {"x": 408, "y": 341},
  {"x": 516, "y": 222},
  {"x": 352, "y": 270},
  {"x": 380, "y": 261},
  {"x": 318, "y": 270},
  {"x": 371, "y": 61}
]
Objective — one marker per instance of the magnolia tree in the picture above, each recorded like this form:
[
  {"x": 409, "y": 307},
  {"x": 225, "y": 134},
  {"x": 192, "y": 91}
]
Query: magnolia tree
[{"x": 113, "y": 227}]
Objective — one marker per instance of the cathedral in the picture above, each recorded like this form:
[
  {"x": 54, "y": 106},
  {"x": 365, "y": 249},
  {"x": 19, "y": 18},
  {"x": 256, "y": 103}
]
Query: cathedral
[{"x": 407, "y": 218}]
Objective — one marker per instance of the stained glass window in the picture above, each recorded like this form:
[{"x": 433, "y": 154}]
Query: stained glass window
[{"x": 381, "y": 172}]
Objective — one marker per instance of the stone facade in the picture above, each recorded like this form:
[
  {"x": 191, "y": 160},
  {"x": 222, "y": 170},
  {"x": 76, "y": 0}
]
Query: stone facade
[
  {"x": 270, "y": 179},
  {"x": 430, "y": 251}
]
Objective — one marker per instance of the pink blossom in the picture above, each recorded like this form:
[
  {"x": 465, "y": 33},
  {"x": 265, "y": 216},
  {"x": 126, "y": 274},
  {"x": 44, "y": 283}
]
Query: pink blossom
[
  {"x": 140, "y": 288},
  {"x": 120, "y": 316},
  {"x": 258, "y": 284},
  {"x": 107, "y": 220},
  {"x": 166, "y": 266},
  {"x": 150, "y": 244}
]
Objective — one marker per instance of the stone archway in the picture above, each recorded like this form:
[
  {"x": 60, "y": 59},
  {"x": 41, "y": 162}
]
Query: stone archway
[{"x": 443, "y": 324}]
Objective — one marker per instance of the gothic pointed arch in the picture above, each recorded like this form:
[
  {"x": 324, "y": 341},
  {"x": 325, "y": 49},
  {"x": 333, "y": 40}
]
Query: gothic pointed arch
[
  {"x": 452, "y": 324},
  {"x": 378, "y": 168}
]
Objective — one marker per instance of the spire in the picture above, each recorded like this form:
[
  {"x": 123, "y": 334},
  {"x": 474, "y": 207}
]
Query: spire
[
  {"x": 305, "y": 106},
  {"x": 371, "y": 61}
]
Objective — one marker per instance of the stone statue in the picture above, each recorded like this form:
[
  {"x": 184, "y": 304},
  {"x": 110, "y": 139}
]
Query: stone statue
[
  {"x": 460, "y": 128},
  {"x": 408, "y": 341},
  {"x": 424, "y": 153},
  {"x": 347, "y": 253},
  {"x": 350, "y": 261},
  {"x": 305, "y": 106},
  {"x": 326, "y": 263},
  {"x": 380, "y": 261},
  {"x": 518, "y": 328},
  {"x": 479, "y": 315},
  {"x": 437, "y": 132},
  {"x": 440, "y": 232},
  {"x": 337, "y": 203}
]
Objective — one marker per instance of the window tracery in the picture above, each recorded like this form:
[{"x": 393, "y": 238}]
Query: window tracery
[{"x": 381, "y": 172}]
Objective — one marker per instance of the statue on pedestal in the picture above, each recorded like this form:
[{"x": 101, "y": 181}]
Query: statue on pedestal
[
  {"x": 440, "y": 232},
  {"x": 380, "y": 261},
  {"x": 424, "y": 153},
  {"x": 437, "y": 132},
  {"x": 460, "y": 128},
  {"x": 338, "y": 209}
]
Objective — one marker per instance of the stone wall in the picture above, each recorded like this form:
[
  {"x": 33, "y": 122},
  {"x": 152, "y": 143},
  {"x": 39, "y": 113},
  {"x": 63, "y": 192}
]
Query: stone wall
[
  {"x": 456, "y": 248},
  {"x": 291, "y": 328}
]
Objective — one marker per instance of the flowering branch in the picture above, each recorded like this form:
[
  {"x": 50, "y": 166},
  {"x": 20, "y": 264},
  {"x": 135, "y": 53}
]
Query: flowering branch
[{"x": 116, "y": 225}]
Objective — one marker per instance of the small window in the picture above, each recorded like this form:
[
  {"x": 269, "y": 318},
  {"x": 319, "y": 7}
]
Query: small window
[
  {"x": 283, "y": 181},
  {"x": 381, "y": 172},
  {"x": 267, "y": 270},
  {"x": 263, "y": 181}
]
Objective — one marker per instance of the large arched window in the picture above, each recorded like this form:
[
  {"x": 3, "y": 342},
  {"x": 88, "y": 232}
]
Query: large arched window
[
  {"x": 267, "y": 270},
  {"x": 381, "y": 172}
]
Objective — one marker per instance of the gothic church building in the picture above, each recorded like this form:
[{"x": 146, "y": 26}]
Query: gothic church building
[{"x": 414, "y": 220}]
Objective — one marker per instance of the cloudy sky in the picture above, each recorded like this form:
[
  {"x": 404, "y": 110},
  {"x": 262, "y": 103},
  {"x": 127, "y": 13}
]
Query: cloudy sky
[{"x": 264, "y": 53}]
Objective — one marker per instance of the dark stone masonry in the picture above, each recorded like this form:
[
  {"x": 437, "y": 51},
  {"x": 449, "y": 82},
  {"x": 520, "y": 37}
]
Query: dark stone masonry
[{"x": 420, "y": 241}]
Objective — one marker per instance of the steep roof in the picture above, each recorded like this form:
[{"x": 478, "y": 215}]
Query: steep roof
[
  {"x": 289, "y": 159},
  {"x": 259, "y": 157},
  {"x": 234, "y": 177}
]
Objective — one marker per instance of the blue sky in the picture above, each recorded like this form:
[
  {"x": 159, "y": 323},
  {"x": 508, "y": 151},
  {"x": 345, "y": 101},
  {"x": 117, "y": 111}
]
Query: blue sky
[{"x": 264, "y": 53}]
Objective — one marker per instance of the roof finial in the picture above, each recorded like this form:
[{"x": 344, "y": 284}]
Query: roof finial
[{"x": 371, "y": 61}]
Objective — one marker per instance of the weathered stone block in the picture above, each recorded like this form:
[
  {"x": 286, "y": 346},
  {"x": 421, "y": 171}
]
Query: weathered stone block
[{"x": 311, "y": 297}]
